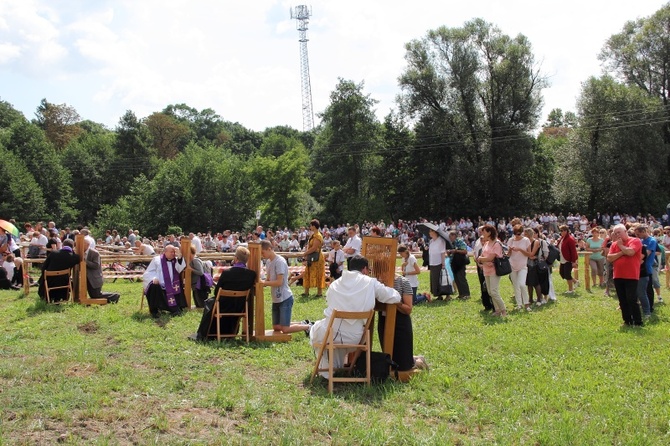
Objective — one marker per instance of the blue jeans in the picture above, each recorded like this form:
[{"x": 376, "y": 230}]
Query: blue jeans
[
  {"x": 642, "y": 295},
  {"x": 281, "y": 312}
]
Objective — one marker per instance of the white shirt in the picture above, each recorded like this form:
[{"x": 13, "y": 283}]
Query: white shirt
[
  {"x": 355, "y": 291},
  {"x": 195, "y": 241},
  {"x": 435, "y": 249},
  {"x": 9, "y": 267},
  {"x": 410, "y": 268},
  {"x": 517, "y": 259},
  {"x": 155, "y": 271},
  {"x": 354, "y": 242},
  {"x": 336, "y": 257}
]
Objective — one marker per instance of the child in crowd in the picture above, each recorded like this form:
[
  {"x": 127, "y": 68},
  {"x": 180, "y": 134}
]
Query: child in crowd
[{"x": 336, "y": 260}]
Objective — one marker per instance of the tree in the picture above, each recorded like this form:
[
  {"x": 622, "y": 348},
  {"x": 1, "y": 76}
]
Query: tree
[
  {"x": 281, "y": 183},
  {"x": 615, "y": 158},
  {"x": 90, "y": 161},
  {"x": 346, "y": 154},
  {"x": 59, "y": 122},
  {"x": 20, "y": 195},
  {"x": 134, "y": 154},
  {"x": 640, "y": 55},
  {"x": 28, "y": 142},
  {"x": 475, "y": 94},
  {"x": 169, "y": 136}
]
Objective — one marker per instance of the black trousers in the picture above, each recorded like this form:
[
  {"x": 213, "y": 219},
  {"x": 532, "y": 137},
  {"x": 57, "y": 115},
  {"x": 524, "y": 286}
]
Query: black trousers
[
  {"x": 486, "y": 297},
  {"x": 626, "y": 291},
  {"x": 461, "y": 282}
]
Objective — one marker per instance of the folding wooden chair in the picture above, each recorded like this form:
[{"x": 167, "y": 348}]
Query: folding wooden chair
[
  {"x": 329, "y": 345},
  {"x": 217, "y": 314},
  {"x": 68, "y": 286}
]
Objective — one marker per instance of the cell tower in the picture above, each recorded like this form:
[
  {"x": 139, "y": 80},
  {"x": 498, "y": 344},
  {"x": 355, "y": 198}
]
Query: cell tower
[{"x": 302, "y": 14}]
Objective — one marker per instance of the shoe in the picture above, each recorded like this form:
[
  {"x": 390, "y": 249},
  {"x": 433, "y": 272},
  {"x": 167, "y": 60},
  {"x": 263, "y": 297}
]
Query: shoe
[
  {"x": 156, "y": 315},
  {"x": 576, "y": 283},
  {"x": 518, "y": 307},
  {"x": 309, "y": 329},
  {"x": 552, "y": 300},
  {"x": 529, "y": 308},
  {"x": 569, "y": 293},
  {"x": 660, "y": 300}
]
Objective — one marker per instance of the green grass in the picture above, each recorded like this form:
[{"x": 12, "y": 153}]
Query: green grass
[{"x": 564, "y": 374}]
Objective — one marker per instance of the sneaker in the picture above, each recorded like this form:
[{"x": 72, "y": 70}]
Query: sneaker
[
  {"x": 539, "y": 303},
  {"x": 576, "y": 283},
  {"x": 569, "y": 293},
  {"x": 306, "y": 322},
  {"x": 528, "y": 308},
  {"x": 660, "y": 300},
  {"x": 518, "y": 307}
]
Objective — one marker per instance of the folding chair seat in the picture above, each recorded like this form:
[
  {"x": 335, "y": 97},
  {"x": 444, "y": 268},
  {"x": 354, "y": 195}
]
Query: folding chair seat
[
  {"x": 217, "y": 314},
  {"x": 329, "y": 346}
]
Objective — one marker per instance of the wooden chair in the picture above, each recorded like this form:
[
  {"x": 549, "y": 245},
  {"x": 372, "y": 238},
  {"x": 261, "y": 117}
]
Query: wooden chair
[
  {"x": 48, "y": 289},
  {"x": 328, "y": 345},
  {"x": 244, "y": 316}
]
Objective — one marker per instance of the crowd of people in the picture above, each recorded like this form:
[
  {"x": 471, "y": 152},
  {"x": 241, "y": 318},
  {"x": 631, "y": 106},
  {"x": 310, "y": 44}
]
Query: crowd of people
[{"x": 626, "y": 255}]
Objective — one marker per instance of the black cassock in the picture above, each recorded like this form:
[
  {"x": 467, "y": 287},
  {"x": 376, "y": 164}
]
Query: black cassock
[
  {"x": 233, "y": 279},
  {"x": 157, "y": 300}
]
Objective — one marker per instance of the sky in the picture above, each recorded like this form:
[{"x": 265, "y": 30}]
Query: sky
[{"x": 241, "y": 58}]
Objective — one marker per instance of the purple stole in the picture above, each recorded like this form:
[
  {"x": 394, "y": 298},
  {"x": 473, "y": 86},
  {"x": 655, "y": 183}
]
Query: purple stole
[{"x": 174, "y": 288}]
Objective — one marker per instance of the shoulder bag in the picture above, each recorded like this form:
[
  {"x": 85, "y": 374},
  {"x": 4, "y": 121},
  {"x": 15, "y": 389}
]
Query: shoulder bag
[{"x": 502, "y": 265}]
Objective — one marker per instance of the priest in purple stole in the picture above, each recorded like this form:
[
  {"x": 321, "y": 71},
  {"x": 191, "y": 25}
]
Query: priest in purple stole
[{"x": 163, "y": 286}]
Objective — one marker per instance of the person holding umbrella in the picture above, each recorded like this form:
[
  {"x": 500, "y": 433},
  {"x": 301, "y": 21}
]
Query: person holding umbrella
[{"x": 437, "y": 252}]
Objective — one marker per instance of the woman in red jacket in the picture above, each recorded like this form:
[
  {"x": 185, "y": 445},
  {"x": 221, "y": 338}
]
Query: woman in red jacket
[{"x": 568, "y": 247}]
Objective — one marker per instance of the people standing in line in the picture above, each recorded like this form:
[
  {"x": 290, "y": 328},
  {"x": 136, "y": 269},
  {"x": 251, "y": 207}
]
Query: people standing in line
[
  {"x": 625, "y": 254},
  {"x": 519, "y": 247},
  {"x": 437, "y": 253},
  {"x": 459, "y": 259},
  {"x": 491, "y": 250},
  {"x": 487, "y": 302},
  {"x": 569, "y": 257},
  {"x": 647, "y": 270},
  {"x": 597, "y": 261},
  {"x": 537, "y": 279}
]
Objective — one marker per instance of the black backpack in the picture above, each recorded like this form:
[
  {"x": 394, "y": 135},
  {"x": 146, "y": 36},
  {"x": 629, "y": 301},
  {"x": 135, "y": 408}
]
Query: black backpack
[
  {"x": 381, "y": 365},
  {"x": 554, "y": 254}
]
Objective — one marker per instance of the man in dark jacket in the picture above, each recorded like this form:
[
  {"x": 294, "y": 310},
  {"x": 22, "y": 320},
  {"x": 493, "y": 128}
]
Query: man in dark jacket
[
  {"x": 94, "y": 279},
  {"x": 237, "y": 278},
  {"x": 64, "y": 258}
]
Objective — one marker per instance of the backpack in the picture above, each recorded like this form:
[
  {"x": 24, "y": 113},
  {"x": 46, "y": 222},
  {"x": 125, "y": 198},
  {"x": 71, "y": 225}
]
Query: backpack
[
  {"x": 553, "y": 255},
  {"x": 381, "y": 365}
]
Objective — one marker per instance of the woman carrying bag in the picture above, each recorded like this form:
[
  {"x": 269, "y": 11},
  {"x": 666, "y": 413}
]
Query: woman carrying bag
[
  {"x": 491, "y": 250},
  {"x": 315, "y": 273}
]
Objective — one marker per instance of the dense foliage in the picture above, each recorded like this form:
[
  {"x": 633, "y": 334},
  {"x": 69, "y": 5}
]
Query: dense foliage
[{"x": 461, "y": 142}]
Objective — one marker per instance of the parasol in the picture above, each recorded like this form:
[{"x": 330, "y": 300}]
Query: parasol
[
  {"x": 425, "y": 228},
  {"x": 8, "y": 227}
]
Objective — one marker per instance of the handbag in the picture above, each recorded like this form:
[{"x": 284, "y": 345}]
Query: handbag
[
  {"x": 313, "y": 257},
  {"x": 542, "y": 264},
  {"x": 445, "y": 286},
  {"x": 502, "y": 265}
]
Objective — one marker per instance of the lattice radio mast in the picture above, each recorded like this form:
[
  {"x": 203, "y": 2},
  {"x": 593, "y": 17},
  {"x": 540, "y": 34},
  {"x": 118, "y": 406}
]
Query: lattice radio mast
[{"x": 302, "y": 14}]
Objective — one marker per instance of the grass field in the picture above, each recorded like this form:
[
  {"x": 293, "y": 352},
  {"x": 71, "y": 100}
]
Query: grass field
[{"x": 565, "y": 374}]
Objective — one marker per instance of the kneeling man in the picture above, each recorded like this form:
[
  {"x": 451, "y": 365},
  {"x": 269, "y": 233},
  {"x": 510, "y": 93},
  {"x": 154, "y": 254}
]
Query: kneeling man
[
  {"x": 163, "y": 286},
  {"x": 354, "y": 291}
]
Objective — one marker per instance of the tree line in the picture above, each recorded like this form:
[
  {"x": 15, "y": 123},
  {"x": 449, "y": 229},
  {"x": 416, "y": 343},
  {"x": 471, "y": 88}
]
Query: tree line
[{"x": 461, "y": 142}]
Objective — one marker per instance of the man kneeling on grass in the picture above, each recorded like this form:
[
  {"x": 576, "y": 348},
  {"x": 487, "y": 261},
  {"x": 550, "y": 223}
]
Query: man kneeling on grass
[{"x": 276, "y": 269}]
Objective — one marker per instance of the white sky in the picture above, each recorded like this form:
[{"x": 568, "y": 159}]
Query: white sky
[{"x": 242, "y": 58}]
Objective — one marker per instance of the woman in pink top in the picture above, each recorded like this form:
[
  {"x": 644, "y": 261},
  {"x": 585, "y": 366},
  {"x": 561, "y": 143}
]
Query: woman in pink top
[{"x": 490, "y": 250}]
